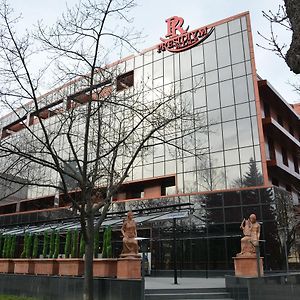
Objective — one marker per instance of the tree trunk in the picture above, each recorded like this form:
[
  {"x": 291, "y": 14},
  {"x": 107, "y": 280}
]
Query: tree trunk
[
  {"x": 293, "y": 54},
  {"x": 88, "y": 292}
]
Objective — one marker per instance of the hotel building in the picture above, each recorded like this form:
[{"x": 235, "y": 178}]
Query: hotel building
[{"x": 246, "y": 162}]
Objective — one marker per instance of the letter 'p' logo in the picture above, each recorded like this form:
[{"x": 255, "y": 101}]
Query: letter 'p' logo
[{"x": 174, "y": 24}]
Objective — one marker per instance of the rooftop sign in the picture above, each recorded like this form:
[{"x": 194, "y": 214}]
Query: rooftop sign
[{"x": 179, "y": 39}]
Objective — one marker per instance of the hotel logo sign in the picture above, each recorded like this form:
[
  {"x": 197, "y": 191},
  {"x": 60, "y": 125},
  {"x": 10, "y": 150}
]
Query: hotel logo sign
[{"x": 179, "y": 39}]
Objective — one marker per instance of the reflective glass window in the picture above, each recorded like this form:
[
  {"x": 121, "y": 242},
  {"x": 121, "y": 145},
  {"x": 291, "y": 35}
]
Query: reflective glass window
[
  {"x": 159, "y": 169},
  {"x": 233, "y": 177},
  {"x": 239, "y": 70},
  {"x": 197, "y": 55},
  {"x": 246, "y": 154},
  {"x": 228, "y": 113},
  {"x": 199, "y": 97},
  {"x": 158, "y": 68},
  {"x": 250, "y": 197},
  {"x": 257, "y": 153},
  {"x": 255, "y": 130},
  {"x": 233, "y": 214},
  {"x": 244, "y": 132},
  {"x": 236, "y": 45},
  {"x": 242, "y": 110},
  {"x": 244, "y": 23},
  {"x": 148, "y": 57},
  {"x": 230, "y": 135},
  {"x": 198, "y": 69},
  {"x": 225, "y": 73},
  {"x": 215, "y": 137},
  {"x": 232, "y": 198},
  {"x": 215, "y": 200},
  {"x": 246, "y": 45},
  {"x": 231, "y": 157},
  {"x": 226, "y": 93},
  {"x": 250, "y": 88},
  {"x": 212, "y": 95},
  {"x": 210, "y": 56},
  {"x": 253, "y": 108},
  {"x": 223, "y": 52},
  {"x": 168, "y": 70},
  {"x": 211, "y": 77},
  {"x": 248, "y": 67},
  {"x": 185, "y": 64},
  {"x": 214, "y": 116},
  {"x": 234, "y": 26},
  {"x": 138, "y": 61},
  {"x": 221, "y": 30},
  {"x": 186, "y": 84},
  {"x": 216, "y": 159},
  {"x": 240, "y": 89}
]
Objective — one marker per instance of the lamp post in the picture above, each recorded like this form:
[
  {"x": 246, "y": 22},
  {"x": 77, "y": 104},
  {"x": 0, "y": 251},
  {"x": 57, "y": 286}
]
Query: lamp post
[{"x": 143, "y": 243}]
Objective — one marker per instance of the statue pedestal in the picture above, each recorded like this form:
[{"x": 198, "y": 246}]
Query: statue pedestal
[
  {"x": 129, "y": 268},
  {"x": 246, "y": 266}
]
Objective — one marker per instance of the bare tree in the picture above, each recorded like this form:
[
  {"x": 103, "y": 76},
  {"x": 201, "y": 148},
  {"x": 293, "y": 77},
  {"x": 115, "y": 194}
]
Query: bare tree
[
  {"x": 89, "y": 133},
  {"x": 287, "y": 17}
]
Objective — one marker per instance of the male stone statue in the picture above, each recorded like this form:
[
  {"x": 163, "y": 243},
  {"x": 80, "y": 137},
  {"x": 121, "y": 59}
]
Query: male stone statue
[{"x": 251, "y": 230}]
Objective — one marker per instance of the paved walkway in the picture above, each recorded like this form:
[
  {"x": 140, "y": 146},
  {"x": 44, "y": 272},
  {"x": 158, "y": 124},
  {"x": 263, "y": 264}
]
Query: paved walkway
[{"x": 186, "y": 282}]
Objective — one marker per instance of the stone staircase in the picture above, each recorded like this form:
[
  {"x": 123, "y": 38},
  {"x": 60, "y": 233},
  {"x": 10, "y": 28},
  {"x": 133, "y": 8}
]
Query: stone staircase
[{"x": 192, "y": 293}]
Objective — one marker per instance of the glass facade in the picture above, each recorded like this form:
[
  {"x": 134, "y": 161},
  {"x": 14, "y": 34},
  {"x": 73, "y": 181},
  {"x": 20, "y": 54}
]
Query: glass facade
[
  {"x": 209, "y": 238},
  {"x": 215, "y": 78}
]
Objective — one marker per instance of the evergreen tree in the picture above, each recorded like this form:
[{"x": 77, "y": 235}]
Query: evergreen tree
[
  {"x": 28, "y": 248},
  {"x": 253, "y": 177},
  {"x": 12, "y": 249},
  {"x": 74, "y": 252},
  {"x": 1, "y": 244},
  {"x": 23, "y": 254},
  {"x": 52, "y": 244},
  {"x": 35, "y": 247},
  {"x": 56, "y": 246},
  {"x": 45, "y": 244}
]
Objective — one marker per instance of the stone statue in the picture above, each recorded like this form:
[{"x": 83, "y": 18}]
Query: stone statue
[
  {"x": 130, "y": 244},
  {"x": 251, "y": 231}
]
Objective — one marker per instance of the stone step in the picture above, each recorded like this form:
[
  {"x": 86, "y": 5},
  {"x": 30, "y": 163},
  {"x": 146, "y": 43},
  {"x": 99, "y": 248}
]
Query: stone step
[{"x": 179, "y": 295}]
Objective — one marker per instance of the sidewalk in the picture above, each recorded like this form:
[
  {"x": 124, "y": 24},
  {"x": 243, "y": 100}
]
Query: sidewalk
[{"x": 152, "y": 283}]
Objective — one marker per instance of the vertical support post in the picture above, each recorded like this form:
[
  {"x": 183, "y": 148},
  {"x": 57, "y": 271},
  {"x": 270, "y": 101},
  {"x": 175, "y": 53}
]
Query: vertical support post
[
  {"x": 143, "y": 246},
  {"x": 258, "y": 259},
  {"x": 285, "y": 251},
  {"x": 175, "y": 251}
]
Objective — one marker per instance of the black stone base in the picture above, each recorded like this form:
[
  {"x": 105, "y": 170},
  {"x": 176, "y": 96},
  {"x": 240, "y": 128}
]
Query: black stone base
[
  {"x": 68, "y": 288},
  {"x": 275, "y": 287}
]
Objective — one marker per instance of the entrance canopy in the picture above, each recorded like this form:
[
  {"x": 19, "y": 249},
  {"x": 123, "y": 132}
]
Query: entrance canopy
[{"x": 75, "y": 224}]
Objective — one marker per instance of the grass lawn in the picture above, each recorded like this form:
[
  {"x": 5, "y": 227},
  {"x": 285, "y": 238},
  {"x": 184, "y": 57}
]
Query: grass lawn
[{"x": 11, "y": 297}]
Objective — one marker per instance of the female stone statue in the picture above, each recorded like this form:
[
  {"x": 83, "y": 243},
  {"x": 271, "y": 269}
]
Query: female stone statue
[{"x": 130, "y": 244}]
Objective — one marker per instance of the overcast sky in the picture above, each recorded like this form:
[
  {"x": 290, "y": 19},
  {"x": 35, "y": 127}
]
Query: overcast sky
[{"x": 150, "y": 16}]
